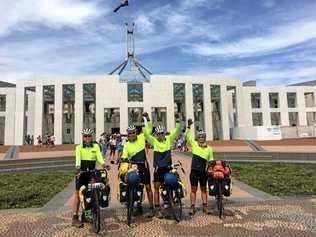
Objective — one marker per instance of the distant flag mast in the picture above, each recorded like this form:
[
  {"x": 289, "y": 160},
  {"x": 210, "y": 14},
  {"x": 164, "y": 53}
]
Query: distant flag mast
[{"x": 130, "y": 70}]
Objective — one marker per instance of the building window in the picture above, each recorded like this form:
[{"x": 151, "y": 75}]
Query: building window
[
  {"x": 89, "y": 106},
  {"x": 257, "y": 119},
  {"x": 293, "y": 119},
  {"x": 159, "y": 116},
  {"x": 275, "y": 118},
  {"x": 135, "y": 92},
  {"x": 135, "y": 116},
  {"x": 112, "y": 120},
  {"x": 48, "y": 110},
  {"x": 179, "y": 100},
  {"x": 291, "y": 99},
  {"x": 309, "y": 99},
  {"x": 216, "y": 103},
  {"x": 198, "y": 107},
  {"x": 68, "y": 114},
  {"x": 256, "y": 100},
  {"x": 2, "y": 103},
  {"x": 274, "y": 100},
  {"x": 311, "y": 118}
]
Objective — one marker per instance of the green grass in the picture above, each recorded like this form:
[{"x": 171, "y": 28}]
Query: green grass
[
  {"x": 278, "y": 179},
  {"x": 31, "y": 189}
]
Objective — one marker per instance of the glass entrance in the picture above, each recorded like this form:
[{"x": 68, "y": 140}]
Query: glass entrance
[{"x": 111, "y": 120}]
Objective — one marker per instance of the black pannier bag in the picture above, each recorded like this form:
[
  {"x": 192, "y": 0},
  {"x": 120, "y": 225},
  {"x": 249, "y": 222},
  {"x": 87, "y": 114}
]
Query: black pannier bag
[{"x": 123, "y": 192}]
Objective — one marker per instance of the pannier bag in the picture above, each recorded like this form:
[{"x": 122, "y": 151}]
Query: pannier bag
[
  {"x": 105, "y": 196},
  {"x": 221, "y": 171},
  {"x": 122, "y": 194}
]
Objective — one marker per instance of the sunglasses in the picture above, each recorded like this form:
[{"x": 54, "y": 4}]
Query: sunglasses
[
  {"x": 131, "y": 133},
  {"x": 87, "y": 136},
  {"x": 160, "y": 133}
]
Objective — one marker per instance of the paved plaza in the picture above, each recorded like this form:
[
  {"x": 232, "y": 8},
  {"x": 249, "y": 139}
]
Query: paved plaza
[{"x": 248, "y": 212}]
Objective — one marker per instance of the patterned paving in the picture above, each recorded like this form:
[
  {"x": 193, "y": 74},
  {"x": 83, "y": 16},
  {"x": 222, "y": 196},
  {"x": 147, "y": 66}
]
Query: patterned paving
[{"x": 269, "y": 218}]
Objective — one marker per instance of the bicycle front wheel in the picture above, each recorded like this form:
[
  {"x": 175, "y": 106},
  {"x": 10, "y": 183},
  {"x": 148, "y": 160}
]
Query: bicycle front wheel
[
  {"x": 220, "y": 200},
  {"x": 175, "y": 205},
  {"x": 130, "y": 205},
  {"x": 96, "y": 212}
]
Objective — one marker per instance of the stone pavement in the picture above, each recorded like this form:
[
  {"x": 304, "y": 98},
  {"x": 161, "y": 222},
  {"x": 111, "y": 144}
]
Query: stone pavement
[
  {"x": 249, "y": 212},
  {"x": 261, "y": 219}
]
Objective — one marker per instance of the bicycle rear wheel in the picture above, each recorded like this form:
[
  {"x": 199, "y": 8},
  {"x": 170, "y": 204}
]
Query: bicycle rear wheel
[
  {"x": 96, "y": 212},
  {"x": 130, "y": 205},
  {"x": 219, "y": 200},
  {"x": 175, "y": 204}
]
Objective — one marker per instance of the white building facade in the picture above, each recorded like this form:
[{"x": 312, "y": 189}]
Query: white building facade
[{"x": 224, "y": 109}]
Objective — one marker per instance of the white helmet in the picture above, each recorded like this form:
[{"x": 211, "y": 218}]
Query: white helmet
[
  {"x": 87, "y": 132},
  {"x": 201, "y": 134},
  {"x": 160, "y": 129},
  {"x": 131, "y": 128}
]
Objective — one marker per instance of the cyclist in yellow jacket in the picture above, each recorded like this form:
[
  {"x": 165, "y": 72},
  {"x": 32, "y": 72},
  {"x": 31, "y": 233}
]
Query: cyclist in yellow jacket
[
  {"x": 202, "y": 154},
  {"x": 135, "y": 150},
  {"x": 87, "y": 154},
  {"x": 162, "y": 153}
]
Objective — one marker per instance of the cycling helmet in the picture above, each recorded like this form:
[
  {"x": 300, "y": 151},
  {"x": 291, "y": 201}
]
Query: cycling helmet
[
  {"x": 160, "y": 129},
  {"x": 87, "y": 132},
  {"x": 201, "y": 134},
  {"x": 131, "y": 128}
]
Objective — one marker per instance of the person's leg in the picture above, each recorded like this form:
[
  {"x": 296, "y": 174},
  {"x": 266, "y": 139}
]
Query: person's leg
[
  {"x": 194, "y": 186},
  {"x": 75, "y": 217},
  {"x": 203, "y": 182},
  {"x": 156, "y": 193}
]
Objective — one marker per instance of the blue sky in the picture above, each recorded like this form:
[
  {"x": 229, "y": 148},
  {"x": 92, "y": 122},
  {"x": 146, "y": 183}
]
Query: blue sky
[{"x": 271, "y": 41}]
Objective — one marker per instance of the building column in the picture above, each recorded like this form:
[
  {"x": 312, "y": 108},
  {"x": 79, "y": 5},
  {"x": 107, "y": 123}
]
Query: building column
[
  {"x": 225, "y": 116},
  {"x": 78, "y": 112},
  {"x": 301, "y": 108},
  {"x": 284, "y": 112},
  {"x": 208, "y": 112},
  {"x": 99, "y": 113},
  {"x": 265, "y": 106},
  {"x": 241, "y": 120},
  {"x": 58, "y": 113},
  {"x": 189, "y": 104},
  {"x": 38, "y": 120},
  {"x": 124, "y": 109},
  {"x": 19, "y": 116}
]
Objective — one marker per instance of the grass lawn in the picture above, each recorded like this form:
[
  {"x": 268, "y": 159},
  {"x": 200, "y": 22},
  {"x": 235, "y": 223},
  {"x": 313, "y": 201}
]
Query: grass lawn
[
  {"x": 31, "y": 189},
  {"x": 278, "y": 179}
]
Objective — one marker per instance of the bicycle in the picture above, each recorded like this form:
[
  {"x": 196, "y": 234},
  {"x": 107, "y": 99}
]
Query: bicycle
[
  {"x": 99, "y": 190},
  {"x": 173, "y": 190},
  {"x": 134, "y": 191},
  {"x": 219, "y": 183}
]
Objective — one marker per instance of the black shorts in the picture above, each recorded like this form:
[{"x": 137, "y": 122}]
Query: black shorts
[
  {"x": 144, "y": 173},
  {"x": 112, "y": 148},
  {"x": 197, "y": 177},
  {"x": 82, "y": 180},
  {"x": 159, "y": 174}
]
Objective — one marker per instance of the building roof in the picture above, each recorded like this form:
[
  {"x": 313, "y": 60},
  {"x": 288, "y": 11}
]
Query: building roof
[
  {"x": 6, "y": 84},
  {"x": 307, "y": 83}
]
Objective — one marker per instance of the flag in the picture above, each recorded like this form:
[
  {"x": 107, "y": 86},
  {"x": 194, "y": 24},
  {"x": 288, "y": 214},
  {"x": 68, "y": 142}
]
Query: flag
[{"x": 123, "y": 4}]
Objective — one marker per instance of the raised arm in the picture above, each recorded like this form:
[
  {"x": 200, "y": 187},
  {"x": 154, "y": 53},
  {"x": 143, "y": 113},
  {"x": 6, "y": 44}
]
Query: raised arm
[
  {"x": 78, "y": 157},
  {"x": 175, "y": 132}
]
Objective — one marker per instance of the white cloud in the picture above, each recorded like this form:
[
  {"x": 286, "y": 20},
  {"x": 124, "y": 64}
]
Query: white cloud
[
  {"x": 189, "y": 4},
  {"x": 144, "y": 24},
  {"x": 54, "y": 13},
  {"x": 280, "y": 38}
]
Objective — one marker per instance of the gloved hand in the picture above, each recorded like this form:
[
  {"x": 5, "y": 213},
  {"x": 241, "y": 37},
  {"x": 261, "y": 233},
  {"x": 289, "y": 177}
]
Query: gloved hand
[
  {"x": 190, "y": 122},
  {"x": 177, "y": 117}
]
